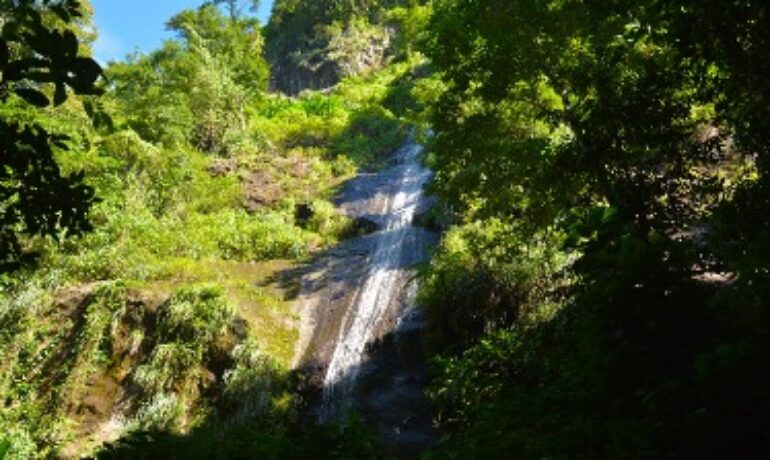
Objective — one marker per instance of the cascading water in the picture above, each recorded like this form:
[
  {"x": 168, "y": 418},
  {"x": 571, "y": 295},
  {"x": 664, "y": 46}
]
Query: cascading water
[{"x": 394, "y": 248}]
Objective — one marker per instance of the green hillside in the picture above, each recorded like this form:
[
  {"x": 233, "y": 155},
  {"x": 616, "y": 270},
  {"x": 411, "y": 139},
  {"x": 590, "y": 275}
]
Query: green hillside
[
  {"x": 175, "y": 305},
  {"x": 601, "y": 175}
]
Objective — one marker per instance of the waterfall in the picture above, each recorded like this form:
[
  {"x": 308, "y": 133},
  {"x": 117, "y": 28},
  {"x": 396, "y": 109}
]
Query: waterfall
[{"x": 382, "y": 285}]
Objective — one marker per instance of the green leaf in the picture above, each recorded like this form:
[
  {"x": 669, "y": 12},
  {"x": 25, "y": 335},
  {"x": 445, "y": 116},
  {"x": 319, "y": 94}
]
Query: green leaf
[{"x": 33, "y": 96}]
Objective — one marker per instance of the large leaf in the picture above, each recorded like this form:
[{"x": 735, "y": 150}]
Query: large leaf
[
  {"x": 69, "y": 44},
  {"x": 33, "y": 96},
  {"x": 20, "y": 69}
]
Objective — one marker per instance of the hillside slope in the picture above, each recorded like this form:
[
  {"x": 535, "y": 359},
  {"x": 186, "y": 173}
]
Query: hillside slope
[{"x": 175, "y": 311}]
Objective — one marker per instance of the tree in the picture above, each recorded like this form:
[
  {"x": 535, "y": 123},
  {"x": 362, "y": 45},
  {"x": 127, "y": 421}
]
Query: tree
[
  {"x": 237, "y": 43},
  {"x": 625, "y": 127},
  {"x": 235, "y": 7},
  {"x": 195, "y": 89},
  {"x": 39, "y": 63}
]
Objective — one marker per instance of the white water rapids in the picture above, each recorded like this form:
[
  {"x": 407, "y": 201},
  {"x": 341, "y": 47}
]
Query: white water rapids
[{"x": 383, "y": 283}]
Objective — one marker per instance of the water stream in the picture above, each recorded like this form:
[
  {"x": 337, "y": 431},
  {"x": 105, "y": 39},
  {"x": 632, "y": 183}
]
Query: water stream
[{"x": 385, "y": 291}]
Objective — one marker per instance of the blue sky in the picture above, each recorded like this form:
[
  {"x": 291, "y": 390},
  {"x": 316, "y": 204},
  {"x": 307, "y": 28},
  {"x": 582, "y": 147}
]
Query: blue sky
[{"x": 139, "y": 25}]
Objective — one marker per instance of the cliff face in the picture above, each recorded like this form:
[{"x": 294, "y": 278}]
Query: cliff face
[
  {"x": 291, "y": 77},
  {"x": 358, "y": 49},
  {"x": 309, "y": 48}
]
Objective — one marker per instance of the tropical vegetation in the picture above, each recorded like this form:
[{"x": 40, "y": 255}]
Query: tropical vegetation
[{"x": 601, "y": 175}]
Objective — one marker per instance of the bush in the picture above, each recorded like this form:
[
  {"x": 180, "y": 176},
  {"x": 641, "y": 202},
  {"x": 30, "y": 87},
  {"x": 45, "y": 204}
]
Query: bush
[{"x": 484, "y": 277}]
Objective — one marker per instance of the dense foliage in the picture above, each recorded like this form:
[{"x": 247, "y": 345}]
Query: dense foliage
[
  {"x": 601, "y": 158},
  {"x": 173, "y": 311},
  {"x": 603, "y": 182},
  {"x": 39, "y": 53}
]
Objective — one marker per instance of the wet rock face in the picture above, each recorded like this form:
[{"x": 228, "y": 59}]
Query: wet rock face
[
  {"x": 360, "y": 226},
  {"x": 361, "y": 335},
  {"x": 390, "y": 390},
  {"x": 365, "y": 226}
]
